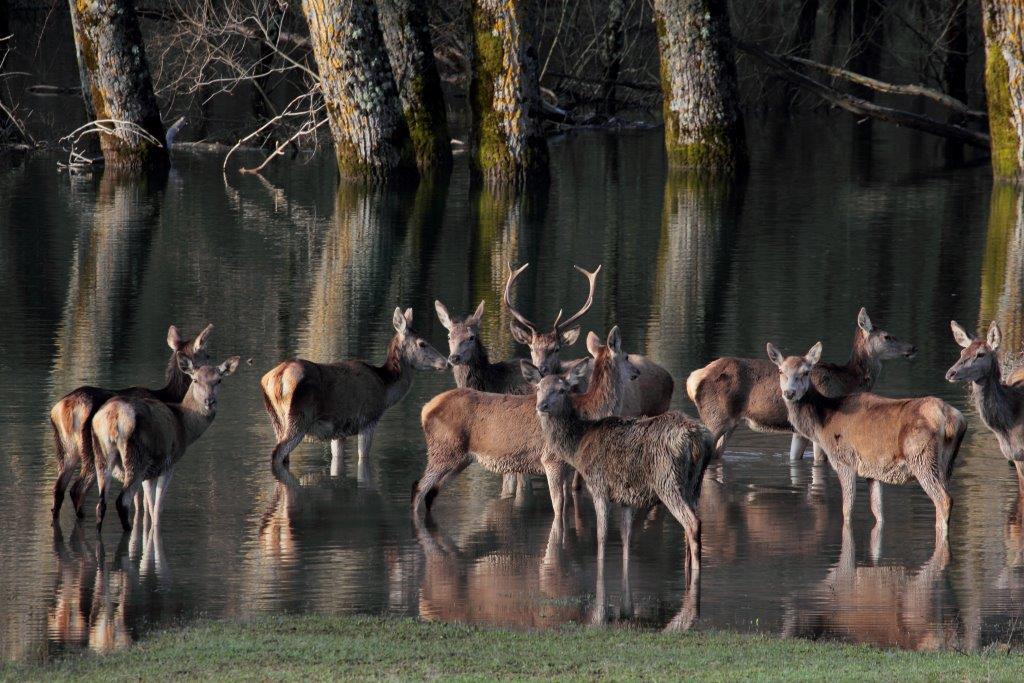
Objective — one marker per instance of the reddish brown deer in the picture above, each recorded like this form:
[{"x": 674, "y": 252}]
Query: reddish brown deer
[
  {"x": 501, "y": 431},
  {"x": 730, "y": 390},
  {"x": 145, "y": 438},
  {"x": 71, "y": 417},
  {"x": 1000, "y": 404},
  {"x": 636, "y": 462},
  {"x": 651, "y": 394},
  {"x": 338, "y": 400},
  {"x": 881, "y": 439}
]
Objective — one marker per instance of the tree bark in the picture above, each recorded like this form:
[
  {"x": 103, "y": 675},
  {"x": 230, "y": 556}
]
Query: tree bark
[
  {"x": 507, "y": 144},
  {"x": 703, "y": 124},
  {"x": 1004, "y": 85},
  {"x": 611, "y": 54},
  {"x": 116, "y": 81},
  {"x": 407, "y": 38},
  {"x": 371, "y": 139}
]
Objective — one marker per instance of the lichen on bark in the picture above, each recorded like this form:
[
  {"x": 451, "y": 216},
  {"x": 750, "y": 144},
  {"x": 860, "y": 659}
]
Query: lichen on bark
[
  {"x": 108, "y": 43},
  {"x": 371, "y": 138},
  {"x": 1004, "y": 85},
  {"x": 703, "y": 124},
  {"x": 507, "y": 143}
]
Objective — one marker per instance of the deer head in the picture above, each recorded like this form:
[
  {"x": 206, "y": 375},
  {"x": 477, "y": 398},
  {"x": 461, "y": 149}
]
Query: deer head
[
  {"x": 613, "y": 346},
  {"x": 553, "y": 390},
  {"x": 881, "y": 344},
  {"x": 413, "y": 348},
  {"x": 795, "y": 371},
  {"x": 462, "y": 334},
  {"x": 978, "y": 358},
  {"x": 193, "y": 349},
  {"x": 206, "y": 382}
]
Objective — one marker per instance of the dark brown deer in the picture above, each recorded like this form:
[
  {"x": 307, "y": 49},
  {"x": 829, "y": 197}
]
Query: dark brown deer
[
  {"x": 881, "y": 439},
  {"x": 145, "y": 438},
  {"x": 71, "y": 417},
  {"x": 501, "y": 431},
  {"x": 636, "y": 462},
  {"x": 338, "y": 400},
  {"x": 651, "y": 394},
  {"x": 1000, "y": 404},
  {"x": 730, "y": 390}
]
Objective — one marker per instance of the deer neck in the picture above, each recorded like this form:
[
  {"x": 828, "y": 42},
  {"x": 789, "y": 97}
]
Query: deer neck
[
  {"x": 563, "y": 432},
  {"x": 863, "y": 363},
  {"x": 395, "y": 373},
  {"x": 603, "y": 396},
  {"x": 474, "y": 373},
  {"x": 176, "y": 383},
  {"x": 809, "y": 413},
  {"x": 193, "y": 421},
  {"x": 992, "y": 399}
]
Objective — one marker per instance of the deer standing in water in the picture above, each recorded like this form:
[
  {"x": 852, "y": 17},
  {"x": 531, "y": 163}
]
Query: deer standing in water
[
  {"x": 881, "y": 439},
  {"x": 636, "y": 462},
  {"x": 729, "y": 390},
  {"x": 1000, "y": 404},
  {"x": 332, "y": 401},
  {"x": 71, "y": 417},
  {"x": 145, "y": 438}
]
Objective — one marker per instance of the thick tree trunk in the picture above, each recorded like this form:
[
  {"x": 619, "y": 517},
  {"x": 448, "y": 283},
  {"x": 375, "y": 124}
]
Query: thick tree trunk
[
  {"x": 611, "y": 54},
  {"x": 507, "y": 144},
  {"x": 371, "y": 139},
  {"x": 1004, "y": 85},
  {"x": 407, "y": 38},
  {"x": 703, "y": 124},
  {"x": 116, "y": 81}
]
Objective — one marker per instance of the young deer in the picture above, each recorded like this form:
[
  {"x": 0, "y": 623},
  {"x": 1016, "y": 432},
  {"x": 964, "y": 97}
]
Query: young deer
[
  {"x": 501, "y": 431},
  {"x": 650, "y": 395},
  {"x": 338, "y": 400},
  {"x": 636, "y": 462},
  {"x": 729, "y": 390},
  {"x": 1000, "y": 404},
  {"x": 71, "y": 417},
  {"x": 145, "y": 438},
  {"x": 881, "y": 439}
]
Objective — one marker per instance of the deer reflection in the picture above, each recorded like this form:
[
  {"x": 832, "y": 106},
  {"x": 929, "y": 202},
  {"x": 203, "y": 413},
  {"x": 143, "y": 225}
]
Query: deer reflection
[{"x": 886, "y": 606}]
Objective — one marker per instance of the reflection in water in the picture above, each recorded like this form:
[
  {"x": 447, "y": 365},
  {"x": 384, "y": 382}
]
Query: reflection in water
[{"x": 1002, "y": 275}]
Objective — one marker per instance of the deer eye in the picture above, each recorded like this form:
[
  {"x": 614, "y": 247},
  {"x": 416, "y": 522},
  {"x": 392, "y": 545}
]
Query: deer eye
[
  {"x": 980, "y": 354},
  {"x": 422, "y": 344},
  {"x": 472, "y": 337}
]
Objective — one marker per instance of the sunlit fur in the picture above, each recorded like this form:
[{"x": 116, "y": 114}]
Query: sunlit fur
[{"x": 71, "y": 417}]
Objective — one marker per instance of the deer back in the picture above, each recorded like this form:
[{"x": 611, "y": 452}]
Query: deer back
[{"x": 650, "y": 393}]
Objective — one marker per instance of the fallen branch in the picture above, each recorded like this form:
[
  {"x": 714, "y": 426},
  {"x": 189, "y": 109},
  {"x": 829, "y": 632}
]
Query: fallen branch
[
  {"x": 643, "y": 87},
  {"x": 861, "y": 107}
]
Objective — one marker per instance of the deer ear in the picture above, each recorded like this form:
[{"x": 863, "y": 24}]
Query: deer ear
[
  {"x": 520, "y": 334},
  {"x": 408, "y": 315},
  {"x": 864, "y": 322},
  {"x": 399, "y": 321},
  {"x": 568, "y": 337},
  {"x": 478, "y": 314},
  {"x": 960, "y": 334},
  {"x": 530, "y": 372},
  {"x": 593, "y": 343},
  {"x": 578, "y": 372},
  {"x": 173, "y": 338},
  {"x": 814, "y": 355},
  {"x": 775, "y": 355},
  {"x": 186, "y": 366},
  {"x": 994, "y": 336},
  {"x": 202, "y": 338},
  {"x": 229, "y": 366},
  {"x": 615, "y": 340},
  {"x": 442, "y": 315}
]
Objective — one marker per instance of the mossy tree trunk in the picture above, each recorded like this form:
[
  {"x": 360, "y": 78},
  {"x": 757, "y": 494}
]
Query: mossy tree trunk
[
  {"x": 703, "y": 124},
  {"x": 507, "y": 144},
  {"x": 116, "y": 81},
  {"x": 371, "y": 139},
  {"x": 411, "y": 52},
  {"x": 1004, "y": 85}
]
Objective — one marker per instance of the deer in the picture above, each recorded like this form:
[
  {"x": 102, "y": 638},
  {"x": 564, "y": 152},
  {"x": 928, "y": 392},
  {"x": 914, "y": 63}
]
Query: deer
[
  {"x": 501, "y": 431},
  {"x": 884, "y": 440},
  {"x": 729, "y": 390},
  {"x": 636, "y": 462},
  {"x": 1000, "y": 404},
  {"x": 650, "y": 395},
  {"x": 71, "y": 417},
  {"x": 337, "y": 400},
  {"x": 145, "y": 438}
]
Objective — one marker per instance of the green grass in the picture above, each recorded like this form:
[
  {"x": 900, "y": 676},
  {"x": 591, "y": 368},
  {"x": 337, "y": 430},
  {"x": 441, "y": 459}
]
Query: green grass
[{"x": 317, "y": 647}]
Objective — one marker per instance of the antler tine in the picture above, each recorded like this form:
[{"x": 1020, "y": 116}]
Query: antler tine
[
  {"x": 592, "y": 279},
  {"x": 513, "y": 273}
]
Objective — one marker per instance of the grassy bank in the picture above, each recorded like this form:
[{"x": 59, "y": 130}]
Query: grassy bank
[{"x": 334, "y": 647}]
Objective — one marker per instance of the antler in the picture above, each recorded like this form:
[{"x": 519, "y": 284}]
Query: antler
[
  {"x": 512, "y": 275},
  {"x": 592, "y": 279}
]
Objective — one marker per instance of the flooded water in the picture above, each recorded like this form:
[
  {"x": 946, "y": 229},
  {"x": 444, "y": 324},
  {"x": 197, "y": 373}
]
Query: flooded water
[{"x": 93, "y": 270}]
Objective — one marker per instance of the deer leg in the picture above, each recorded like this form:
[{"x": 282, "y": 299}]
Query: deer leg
[
  {"x": 687, "y": 518},
  {"x": 103, "y": 472},
  {"x": 848, "y": 483},
  {"x": 936, "y": 490},
  {"x": 601, "y": 509},
  {"x": 723, "y": 437},
  {"x": 577, "y": 480},
  {"x": 554, "y": 470},
  {"x": 797, "y": 447},
  {"x": 426, "y": 489},
  {"x": 364, "y": 473},
  {"x": 124, "y": 499},
  {"x": 160, "y": 495},
  {"x": 508, "y": 486},
  {"x": 64, "y": 478},
  {"x": 337, "y": 456},
  {"x": 283, "y": 449},
  {"x": 80, "y": 489},
  {"x": 819, "y": 453},
  {"x": 875, "y": 487},
  {"x": 148, "y": 489}
]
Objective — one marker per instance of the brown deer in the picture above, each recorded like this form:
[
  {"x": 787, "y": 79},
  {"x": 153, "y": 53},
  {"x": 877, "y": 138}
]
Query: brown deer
[
  {"x": 881, "y": 439},
  {"x": 501, "y": 431},
  {"x": 650, "y": 395},
  {"x": 145, "y": 438},
  {"x": 729, "y": 390},
  {"x": 338, "y": 400},
  {"x": 1000, "y": 404},
  {"x": 71, "y": 417},
  {"x": 636, "y": 462}
]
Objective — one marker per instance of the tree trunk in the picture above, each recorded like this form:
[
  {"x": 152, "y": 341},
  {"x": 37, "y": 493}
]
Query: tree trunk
[
  {"x": 407, "y": 38},
  {"x": 703, "y": 125},
  {"x": 371, "y": 139},
  {"x": 507, "y": 144},
  {"x": 1004, "y": 85},
  {"x": 116, "y": 81},
  {"x": 611, "y": 54}
]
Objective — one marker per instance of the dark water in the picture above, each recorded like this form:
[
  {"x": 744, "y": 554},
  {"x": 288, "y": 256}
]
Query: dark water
[{"x": 93, "y": 270}]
